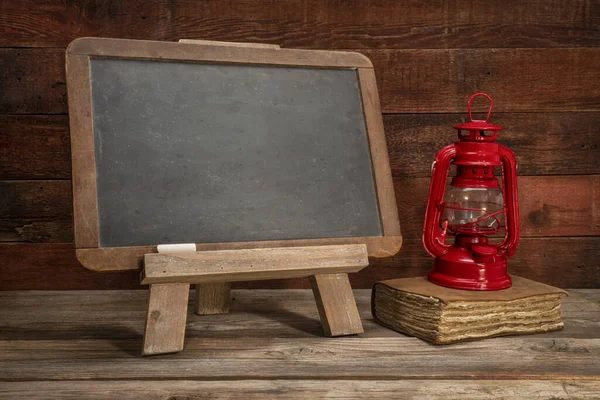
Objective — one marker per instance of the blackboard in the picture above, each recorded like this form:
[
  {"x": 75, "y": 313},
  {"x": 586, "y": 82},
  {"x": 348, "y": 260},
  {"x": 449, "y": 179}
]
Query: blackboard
[
  {"x": 224, "y": 147},
  {"x": 193, "y": 152}
]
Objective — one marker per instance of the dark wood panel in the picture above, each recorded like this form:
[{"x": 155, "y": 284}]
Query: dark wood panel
[
  {"x": 519, "y": 80},
  {"x": 563, "y": 262},
  {"x": 36, "y": 211},
  {"x": 309, "y": 23},
  {"x": 32, "y": 81},
  {"x": 34, "y": 147},
  {"x": 409, "y": 81},
  {"x": 41, "y": 211},
  {"x": 48, "y": 23},
  {"x": 544, "y": 143},
  {"x": 37, "y": 147},
  {"x": 54, "y": 266}
]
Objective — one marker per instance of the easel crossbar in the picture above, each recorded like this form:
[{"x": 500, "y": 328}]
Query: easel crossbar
[{"x": 253, "y": 264}]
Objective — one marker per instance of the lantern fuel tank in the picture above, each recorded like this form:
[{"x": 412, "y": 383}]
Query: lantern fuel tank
[{"x": 475, "y": 207}]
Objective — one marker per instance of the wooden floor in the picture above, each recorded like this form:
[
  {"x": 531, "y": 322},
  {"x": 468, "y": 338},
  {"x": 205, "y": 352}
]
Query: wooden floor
[{"x": 86, "y": 345}]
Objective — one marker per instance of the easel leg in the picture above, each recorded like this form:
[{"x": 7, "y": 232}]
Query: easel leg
[
  {"x": 336, "y": 304},
  {"x": 212, "y": 298},
  {"x": 165, "y": 321}
]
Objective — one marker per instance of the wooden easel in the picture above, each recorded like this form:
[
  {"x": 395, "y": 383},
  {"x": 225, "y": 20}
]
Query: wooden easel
[
  {"x": 327, "y": 261},
  {"x": 170, "y": 275}
]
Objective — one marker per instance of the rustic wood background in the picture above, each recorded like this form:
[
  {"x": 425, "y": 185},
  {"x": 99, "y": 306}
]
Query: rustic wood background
[{"x": 539, "y": 60}]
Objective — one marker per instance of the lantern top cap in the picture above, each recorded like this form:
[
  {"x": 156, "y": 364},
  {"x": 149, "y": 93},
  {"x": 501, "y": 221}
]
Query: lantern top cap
[
  {"x": 478, "y": 126},
  {"x": 481, "y": 125}
]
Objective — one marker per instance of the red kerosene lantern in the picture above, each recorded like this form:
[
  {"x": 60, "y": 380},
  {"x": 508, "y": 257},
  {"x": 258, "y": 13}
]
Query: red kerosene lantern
[{"x": 475, "y": 206}]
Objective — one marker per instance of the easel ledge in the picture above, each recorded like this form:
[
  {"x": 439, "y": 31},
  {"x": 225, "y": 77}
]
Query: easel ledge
[{"x": 253, "y": 264}]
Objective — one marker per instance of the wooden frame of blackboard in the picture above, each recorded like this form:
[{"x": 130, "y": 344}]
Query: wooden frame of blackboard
[{"x": 85, "y": 206}]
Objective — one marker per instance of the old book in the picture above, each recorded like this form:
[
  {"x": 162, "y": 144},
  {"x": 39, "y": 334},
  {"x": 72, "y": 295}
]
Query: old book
[{"x": 436, "y": 314}]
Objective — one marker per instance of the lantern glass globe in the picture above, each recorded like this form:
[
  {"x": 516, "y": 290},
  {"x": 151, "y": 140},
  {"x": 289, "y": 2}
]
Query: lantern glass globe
[{"x": 474, "y": 210}]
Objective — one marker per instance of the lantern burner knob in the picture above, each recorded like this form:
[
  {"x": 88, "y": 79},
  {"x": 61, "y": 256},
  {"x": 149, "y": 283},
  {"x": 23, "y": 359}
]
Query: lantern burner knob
[{"x": 484, "y": 252}]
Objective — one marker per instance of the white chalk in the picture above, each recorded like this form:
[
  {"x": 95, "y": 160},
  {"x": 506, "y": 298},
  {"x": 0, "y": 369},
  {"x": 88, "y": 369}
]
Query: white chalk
[{"x": 176, "y": 248}]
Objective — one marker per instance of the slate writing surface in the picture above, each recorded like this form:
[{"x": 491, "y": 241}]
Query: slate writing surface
[{"x": 208, "y": 153}]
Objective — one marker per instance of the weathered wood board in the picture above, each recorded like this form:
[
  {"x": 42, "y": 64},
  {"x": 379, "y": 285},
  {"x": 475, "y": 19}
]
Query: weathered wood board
[
  {"x": 303, "y": 389},
  {"x": 325, "y": 25},
  {"x": 252, "y": 264},
  {"x": 85, "y": 344},
  {"x": 429, "y": 85}
]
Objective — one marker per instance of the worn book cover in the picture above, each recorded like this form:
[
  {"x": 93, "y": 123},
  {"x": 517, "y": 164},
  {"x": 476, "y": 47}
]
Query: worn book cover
[{"x": 436, "y": 314}]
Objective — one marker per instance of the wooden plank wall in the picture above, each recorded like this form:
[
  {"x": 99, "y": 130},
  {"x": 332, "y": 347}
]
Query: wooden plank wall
[{"x": 539, "y": 60}]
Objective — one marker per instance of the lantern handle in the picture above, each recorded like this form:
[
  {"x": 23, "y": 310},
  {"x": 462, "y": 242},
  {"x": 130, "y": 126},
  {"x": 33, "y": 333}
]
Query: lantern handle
[
  {"x": 511, "y": 196},
  {"x": 489, "y": 110},
  {"x": 434, "y": 230}
]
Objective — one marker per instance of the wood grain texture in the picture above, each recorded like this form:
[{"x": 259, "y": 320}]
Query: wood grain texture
[
  {"x": 32, "y": 81},
  {"x": 337, "y": 307},
  {"x": 85, "y": 199},
  {"x": 379, "y": 153},
  {"x": 409, "y": 81},
  {"x": 52, "y": 24},
  {"x": 212, "y": 298},
  {"x": 570, "y": 262},
  {"x": 519, "y": 80},
  {"x": 37, "y": 147},
  {"x": 253, "y": 264},
  {"x": 165, "y": 318},
  {"x": 357, "y": 358},
  {"x": 28, "y": 213},
  {"x": 286, "y": 313},
  {"x": 309, "y": 23},
  {"x": 54, "y": 265},
  {"x": 304, "y": 389},
  {"x": 35, "y": 211},
  {"x": 544, "y": 143},
  {"x": 429, "y": 58},
  {"x": 287, "y": 352},
  {"x": 34, "y": 147},
  {"x": 84, "y": 344}
]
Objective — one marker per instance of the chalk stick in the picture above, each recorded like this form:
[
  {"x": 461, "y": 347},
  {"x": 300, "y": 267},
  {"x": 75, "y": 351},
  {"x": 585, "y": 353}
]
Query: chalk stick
[{"x": 176, "y": 248}]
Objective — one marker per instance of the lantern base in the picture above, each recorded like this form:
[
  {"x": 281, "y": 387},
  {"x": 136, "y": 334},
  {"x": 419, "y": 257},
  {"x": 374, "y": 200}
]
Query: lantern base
[{"x": 458, "y": 269}]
